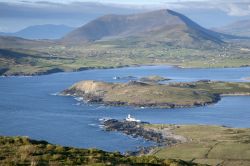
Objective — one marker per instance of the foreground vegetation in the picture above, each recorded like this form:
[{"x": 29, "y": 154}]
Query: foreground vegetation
[
  {"x": 156, "y": 95},
  {"x": 206, "y": 145},
  {"x": 24, "y": 151},
  {"x": 213, "y": 145}
]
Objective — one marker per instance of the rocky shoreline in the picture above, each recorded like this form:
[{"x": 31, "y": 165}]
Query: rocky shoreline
[
  {"x": 4, "y": 71},
  {"x": 139, "y": 129},
  {"x": 216, "y": 99},
  {"x": 134, "y": 129}
]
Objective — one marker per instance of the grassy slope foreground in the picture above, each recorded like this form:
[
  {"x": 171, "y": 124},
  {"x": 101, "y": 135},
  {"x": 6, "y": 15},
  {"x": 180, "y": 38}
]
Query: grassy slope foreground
[
  {"x": 159, "y": 95},
  {"x": 212, "y": 145},
  {"x": 23, "y": 151}
]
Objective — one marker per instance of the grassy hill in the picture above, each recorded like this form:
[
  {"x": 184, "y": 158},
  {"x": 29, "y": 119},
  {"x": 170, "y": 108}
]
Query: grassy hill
[
  {"x": 24, "y": 151},
  {"x": 46, "y": 31}
]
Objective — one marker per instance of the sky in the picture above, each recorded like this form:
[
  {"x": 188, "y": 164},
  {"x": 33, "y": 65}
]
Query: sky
[{"x": 18, "y": 14}]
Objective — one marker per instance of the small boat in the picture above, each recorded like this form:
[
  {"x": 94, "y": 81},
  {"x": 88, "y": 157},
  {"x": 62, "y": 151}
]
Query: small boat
[
  {"x": 132, "y": 119},
  {"x": 116, "y": 78}
]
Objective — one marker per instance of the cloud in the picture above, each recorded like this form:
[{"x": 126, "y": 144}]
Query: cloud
[
  {"x": 17, "y": 14},
  {"x": 238, "y": 9},
  {"x": 44, "y": 9},
  {"x": 76, "y": 7},
  {"x": 230, "y": 7}
]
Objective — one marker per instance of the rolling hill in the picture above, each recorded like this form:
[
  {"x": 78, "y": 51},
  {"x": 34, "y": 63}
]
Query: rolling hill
[
  {"x": 156, "y": 27},
  {"x": 18, "y": 42},
  {"x": 239, "y": 28},
  {"x": 47, "y": 31}
]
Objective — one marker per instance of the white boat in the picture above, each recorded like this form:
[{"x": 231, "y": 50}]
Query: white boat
[
  {"x": 116, "y": 78},
  {"x": 132, "y": 119}
]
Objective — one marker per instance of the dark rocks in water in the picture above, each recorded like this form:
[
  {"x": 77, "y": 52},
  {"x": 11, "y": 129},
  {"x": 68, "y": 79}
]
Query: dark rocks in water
[
  {"x": 115, "y": 103},
  {"x": 85, "y": 68},
  {"x": 93, "y": 98},
  {"x": 3, "y": 70},
  {"x": 50, "y": 71},
  {"x": 134, "y": 129}
]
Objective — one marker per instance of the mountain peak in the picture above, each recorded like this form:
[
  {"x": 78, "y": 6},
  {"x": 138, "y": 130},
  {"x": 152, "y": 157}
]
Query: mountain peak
[{"x": 164, "y": 26}]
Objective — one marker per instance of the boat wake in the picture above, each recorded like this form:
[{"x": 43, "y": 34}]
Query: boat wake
[{"x": 54, "y": 94}]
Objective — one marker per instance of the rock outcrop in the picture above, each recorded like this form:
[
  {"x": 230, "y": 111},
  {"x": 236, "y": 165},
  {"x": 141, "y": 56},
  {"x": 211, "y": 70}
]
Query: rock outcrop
[{"x": 137, "y": 129}]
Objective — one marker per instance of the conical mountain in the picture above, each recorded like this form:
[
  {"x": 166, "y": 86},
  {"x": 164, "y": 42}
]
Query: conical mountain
[{"x": 161, "y": 26}]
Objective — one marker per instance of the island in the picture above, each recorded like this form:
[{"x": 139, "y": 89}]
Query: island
[{"x": 141, "y": 94}]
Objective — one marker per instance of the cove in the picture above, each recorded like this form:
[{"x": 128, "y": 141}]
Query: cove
[{"x": 29, "y": 107}]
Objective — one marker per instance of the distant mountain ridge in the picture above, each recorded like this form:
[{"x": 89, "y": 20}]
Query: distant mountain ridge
[
  {"x": 161, "y": 26},
  {"x": 239, "y": 28},
  {"x": 47, "y": 31}
]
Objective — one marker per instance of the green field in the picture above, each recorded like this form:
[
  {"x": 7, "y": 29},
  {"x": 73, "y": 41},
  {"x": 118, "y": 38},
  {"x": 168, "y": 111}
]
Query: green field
[
  {"x": 211, "y": 145},
  {"x": 30, "y": 60}
]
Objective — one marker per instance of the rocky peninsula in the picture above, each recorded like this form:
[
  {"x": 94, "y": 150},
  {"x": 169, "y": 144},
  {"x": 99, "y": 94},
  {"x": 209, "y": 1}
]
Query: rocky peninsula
[
  {"x": 210, "y": 145},
  {"x": 137, "y": 129},
  {"x": 162, "y": 138},
  {"x": 141, "y": 94}
]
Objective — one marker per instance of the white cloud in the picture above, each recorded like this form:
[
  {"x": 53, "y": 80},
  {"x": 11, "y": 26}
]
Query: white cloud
[
  {"x": 231, "y": 7},
  {"x": 16, "y": 14},
  {"x": 238, "y": 9}
]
